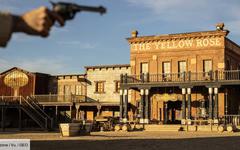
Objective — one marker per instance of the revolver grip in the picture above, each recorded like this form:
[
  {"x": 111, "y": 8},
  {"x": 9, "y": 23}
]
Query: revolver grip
[{"x": 64, "y": 11}]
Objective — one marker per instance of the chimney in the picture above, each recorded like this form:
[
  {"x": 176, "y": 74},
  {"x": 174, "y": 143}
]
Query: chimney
[
  {"x": 220, "y": 26},
  {"x": 134, "y": 33}
]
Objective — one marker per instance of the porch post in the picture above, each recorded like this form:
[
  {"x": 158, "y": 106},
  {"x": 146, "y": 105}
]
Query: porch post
[
  {"x": 189, "y": 104},
  {"x": 210, "y": 92},
  {"x": 146, "y": 106},
  {"x": 99, "y": 109},
  {"x": 165, "y": 112},
  {"x": 77, "y": 111},
  {"x": 3, "y": 118},
  {"x": 121, "y": 105},
  {"x": 56, "y": 113},
  {"x": 142, "y": 106},
  {"x": 183, "y": 105},
  {"x": 125, "y": 106},
  {"x": 19, "y": 118},
  {"x": 215, "y": 104}
]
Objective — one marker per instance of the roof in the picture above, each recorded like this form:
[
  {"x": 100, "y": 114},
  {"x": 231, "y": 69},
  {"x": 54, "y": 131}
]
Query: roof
[
  {"x": 15, "y": 68},
  {"x": 178, "y": 35},
  {"x": 107, "y": 66},
  {"x": 62, "y": 75},
  {"x": 22, "y": 70}
]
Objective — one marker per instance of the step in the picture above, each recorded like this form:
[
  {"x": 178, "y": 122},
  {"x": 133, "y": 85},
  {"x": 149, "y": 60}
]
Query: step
[{"x": 162, "y": 127}]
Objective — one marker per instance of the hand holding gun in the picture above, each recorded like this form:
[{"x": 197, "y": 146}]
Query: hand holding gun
[{"x": 39, "y": 21}]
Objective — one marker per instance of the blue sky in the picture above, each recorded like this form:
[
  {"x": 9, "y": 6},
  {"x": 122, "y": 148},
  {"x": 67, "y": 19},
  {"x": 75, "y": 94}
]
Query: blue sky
[{"x": 92, "y": 39}]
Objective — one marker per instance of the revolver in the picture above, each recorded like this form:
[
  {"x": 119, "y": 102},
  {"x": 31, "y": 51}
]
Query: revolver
[{"x": 68, "y": 10}]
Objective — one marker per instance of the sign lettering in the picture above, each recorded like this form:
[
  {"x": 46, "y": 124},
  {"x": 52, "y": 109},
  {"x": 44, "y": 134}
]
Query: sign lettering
[{"x": 177, "y": 44}]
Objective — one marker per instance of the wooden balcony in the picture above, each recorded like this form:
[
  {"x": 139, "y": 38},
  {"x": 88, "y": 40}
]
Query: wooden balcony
[{"x": 215, "y": 78}]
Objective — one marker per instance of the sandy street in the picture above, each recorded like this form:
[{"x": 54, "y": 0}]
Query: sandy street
[{"x": 132, "y": 141}]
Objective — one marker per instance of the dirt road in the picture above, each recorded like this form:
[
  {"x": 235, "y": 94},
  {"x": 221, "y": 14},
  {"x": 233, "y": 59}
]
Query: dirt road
[{"x": 132, "y": 141}]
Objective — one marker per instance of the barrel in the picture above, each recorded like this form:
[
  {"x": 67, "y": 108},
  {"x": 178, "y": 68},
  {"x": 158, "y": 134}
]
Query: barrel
[
  {"x": 70, "y": 129},
  {"x": 117, "y": 127},
  {"x": 231, "y": 128},
  {"x": 126, "y": 127},
  {"x": 221, "y": 128}
]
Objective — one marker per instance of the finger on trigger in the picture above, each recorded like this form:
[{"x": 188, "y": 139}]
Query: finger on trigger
[{"x": 59, "y": 19}]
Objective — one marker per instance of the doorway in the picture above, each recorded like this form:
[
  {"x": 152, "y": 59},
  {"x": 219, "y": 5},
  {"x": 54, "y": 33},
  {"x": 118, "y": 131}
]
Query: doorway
[{"x": 172, "y": 112}]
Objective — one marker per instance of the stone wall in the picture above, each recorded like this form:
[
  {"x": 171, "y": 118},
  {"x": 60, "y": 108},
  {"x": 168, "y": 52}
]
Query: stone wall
[{"x": 109, "y": 75}]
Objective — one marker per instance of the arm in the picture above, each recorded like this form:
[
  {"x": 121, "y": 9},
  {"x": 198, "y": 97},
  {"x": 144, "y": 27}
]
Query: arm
[
  {"x": 5, "y": 28},
  {"x": 36, "y": 22}
]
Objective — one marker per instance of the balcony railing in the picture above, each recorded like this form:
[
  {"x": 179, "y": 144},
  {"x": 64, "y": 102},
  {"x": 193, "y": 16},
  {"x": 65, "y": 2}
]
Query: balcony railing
[
  {"x": 60, "y": 98},
  {"x": 231, "y": 119},
  {"x": 229, "y": 75}
]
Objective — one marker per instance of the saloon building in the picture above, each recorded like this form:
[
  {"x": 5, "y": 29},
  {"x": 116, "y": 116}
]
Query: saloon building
[{"x": 179, "y": 78}]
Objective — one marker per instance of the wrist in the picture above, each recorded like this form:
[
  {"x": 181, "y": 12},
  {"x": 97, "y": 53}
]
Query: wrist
[{"x": 17, "y": 24}]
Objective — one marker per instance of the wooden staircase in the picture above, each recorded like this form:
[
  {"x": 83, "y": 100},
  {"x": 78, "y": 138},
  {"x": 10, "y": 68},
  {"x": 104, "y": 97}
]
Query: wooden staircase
[
  {"x": 31, "y": 107},
  {"x": 36, "y": 113}
]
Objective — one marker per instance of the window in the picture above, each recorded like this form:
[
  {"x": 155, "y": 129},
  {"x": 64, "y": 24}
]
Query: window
[
  {"x": 166, "y": 69},
  {"x": 67, "y": 90},
  {"x": 207, "y": 67},
  {"x": 182, "y": 67},
  {"x": 144, "y": 67},
  {"x": 99, "y": 88},
  {"x": 117, "y": 86},
  {"x": 79, "y": 90}
]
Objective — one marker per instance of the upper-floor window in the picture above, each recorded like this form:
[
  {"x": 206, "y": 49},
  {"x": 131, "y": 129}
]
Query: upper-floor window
[
  {"x": 117, "y": 86},
  {"x": 99, "y": 86},
  {"x": 144, "y": 67},
  {"x": 182, "y": 67},
  {"x": 166, "y": 69},
  {"x": 67, "y": 90},
  {"x": 207, "y": 67},
  {"x": 79, "y": 90}
]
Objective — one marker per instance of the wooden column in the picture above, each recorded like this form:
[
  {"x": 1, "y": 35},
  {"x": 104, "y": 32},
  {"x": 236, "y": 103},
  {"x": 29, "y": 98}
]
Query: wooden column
[
  {"x": 215, "y": 103},
  {"x": 125, "y": 105},
  {"x": 183, "y": 105},
  {"x": 189, "y": 103},
  {"x": 142, "y": 106},
  {"x": 121, "y": 106},
  {"x": 70, "y": 108},
  {"x": 165, "y": 112},
  {"x": 146, "y": 120},
  {"x": 3, "y": 118},
  {"x": 19, "y": 117},
  {"x": 210, "y": 111},
  {"x": 56, "y": 113},
  {"x": 99, "y": 109},
  {"x": 77, "y": 106}
]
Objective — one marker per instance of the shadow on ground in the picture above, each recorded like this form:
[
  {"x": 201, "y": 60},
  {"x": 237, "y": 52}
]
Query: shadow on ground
[{"x": 217, "y": 143}]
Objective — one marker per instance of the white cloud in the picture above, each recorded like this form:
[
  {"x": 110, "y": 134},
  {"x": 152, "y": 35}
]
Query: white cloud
[
  {"x": 200, "y": 14},
  {"x": 79, "y": 44},
  {"x": 50, "y": 66}
]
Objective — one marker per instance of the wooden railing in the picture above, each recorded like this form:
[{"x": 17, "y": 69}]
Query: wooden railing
[
  {"x": 227, "y": 75},
  {"x": 231, "y": 119},
  {"x": 59, "y": 98},
  {"x": 30, "y": 108}
]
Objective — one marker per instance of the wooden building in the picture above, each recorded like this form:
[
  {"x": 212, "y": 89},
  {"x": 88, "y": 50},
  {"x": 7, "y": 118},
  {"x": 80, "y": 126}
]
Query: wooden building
[
  {"x": 36, "y": 83},
  {"x": 102, "y": 96},
  {"x": 178, "y": 78}
]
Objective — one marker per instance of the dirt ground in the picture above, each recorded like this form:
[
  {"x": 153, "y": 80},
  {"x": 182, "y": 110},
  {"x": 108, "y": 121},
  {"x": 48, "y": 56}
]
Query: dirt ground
[{"x": 141, "y": 140}]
